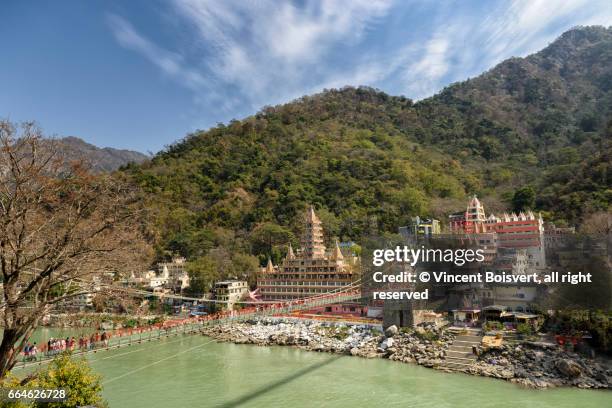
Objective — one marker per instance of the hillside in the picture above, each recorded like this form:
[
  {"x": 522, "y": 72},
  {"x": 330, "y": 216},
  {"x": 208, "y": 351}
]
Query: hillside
[
  {"x": 100, "y": 159},
  {"x": 546, "y": 117},
  {"x": 369, "y": 161}
]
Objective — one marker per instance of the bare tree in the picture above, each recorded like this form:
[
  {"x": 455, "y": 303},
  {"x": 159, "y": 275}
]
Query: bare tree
[
  {"x": 59, "y": 225},
  {"x": 597, "y": 223}
]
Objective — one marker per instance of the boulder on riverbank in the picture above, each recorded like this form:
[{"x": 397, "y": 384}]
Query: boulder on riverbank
[
  {"x": 533, "y": 366},
  {"x": 569, "y": 368},
  {"x": 527, "y": 364},
  {"x": 391, "y": 331}
]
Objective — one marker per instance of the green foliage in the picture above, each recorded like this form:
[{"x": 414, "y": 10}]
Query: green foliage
[
  {"x": 130, "y": 323},
  {"x": 203, "y": 272},
  {"x": 245, "y": 267},
  {"x": 154, "y": 304},
  {"x": 598, "y": 323},
  {"x": 340, "y": 333},
  {"x": 375, "y": 332},
  {"x": 356, "y": 250},
  {"x": 524, "y": 329},
  {"x": 524, "y": 199},
  {"x": 156, "y": 320},
  {"x": 369, "y": 161},
  {"x": 493, "y": 325},
  {"x": 426, "y": 335},
  {"x": 244, "y": 187},
  {"x": 218, "y": 265},
  {"x": 83, "y": 387},
  {"x": 268, "y": 236}
]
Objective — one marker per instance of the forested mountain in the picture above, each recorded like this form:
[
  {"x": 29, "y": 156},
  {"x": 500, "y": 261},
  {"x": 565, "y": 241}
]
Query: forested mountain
[
  {"x": 546, "y": 117},
  {"x": 368, "y": 161}
]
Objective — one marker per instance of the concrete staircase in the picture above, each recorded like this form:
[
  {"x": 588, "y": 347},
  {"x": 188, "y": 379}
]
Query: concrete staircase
[{"x": 460, "y": 355}]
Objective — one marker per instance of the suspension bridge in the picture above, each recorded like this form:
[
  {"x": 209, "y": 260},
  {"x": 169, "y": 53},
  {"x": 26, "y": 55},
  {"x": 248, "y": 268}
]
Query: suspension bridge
[{"x": 194, "y": 325}]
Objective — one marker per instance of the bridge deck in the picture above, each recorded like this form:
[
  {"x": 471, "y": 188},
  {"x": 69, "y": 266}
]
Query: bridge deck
[{"x": 194, "y": 326}]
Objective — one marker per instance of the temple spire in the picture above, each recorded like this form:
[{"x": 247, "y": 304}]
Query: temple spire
[
  {"x": 337, "y": 253},
  {"x": 312, "y": 239},
  {"x": 290, "y": 254},
  {"x": 269, "y": 267},
  {"x": 475, "y": 215}
]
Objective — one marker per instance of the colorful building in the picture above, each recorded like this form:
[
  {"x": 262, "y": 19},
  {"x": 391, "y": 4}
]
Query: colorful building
[
  {"x": 353, "y": 309},
  {"x": 520, "y": 231},
  {"x": 420, "y": 226},
  {"x": 310, "y": 272},
  {"x": 512, "y": 297},
  {"x": 472, "y": 221}
]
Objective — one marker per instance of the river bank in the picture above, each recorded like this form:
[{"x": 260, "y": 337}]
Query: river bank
[{"x": 529, "y": 365}]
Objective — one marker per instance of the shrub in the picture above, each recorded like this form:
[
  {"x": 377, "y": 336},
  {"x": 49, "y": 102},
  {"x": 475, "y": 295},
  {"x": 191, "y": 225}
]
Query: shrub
[
  {"x": 83, "y": 387},
  {"x": 341, "y": 333},
  {"x": 130, "y": 323},
  {"x": 426, "y": 335},
  {"x": 493, "y": 325},
  {"x": 375, "y": 332},
  {"x": 524, "y": 329}
]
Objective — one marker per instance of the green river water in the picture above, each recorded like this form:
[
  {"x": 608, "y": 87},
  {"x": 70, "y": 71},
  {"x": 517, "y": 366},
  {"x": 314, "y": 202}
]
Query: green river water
[{"x": 194, "y": 371}]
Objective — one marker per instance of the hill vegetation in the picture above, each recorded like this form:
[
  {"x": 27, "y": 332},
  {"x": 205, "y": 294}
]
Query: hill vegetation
[{"x": 369, "y": 161}]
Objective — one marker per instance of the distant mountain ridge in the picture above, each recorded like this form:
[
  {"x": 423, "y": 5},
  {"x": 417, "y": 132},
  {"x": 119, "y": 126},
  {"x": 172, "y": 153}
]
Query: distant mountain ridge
[
  {"x": 571, "y": 78},
  {"x": 101, "y": 160}
]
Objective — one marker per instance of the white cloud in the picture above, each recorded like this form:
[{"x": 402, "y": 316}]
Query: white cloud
[
  {"x": 248, "y": 53},
  {"x": 169, "y": 62},
  {"x": 425, "y": 74},
  {"x": 269, "y": 49},
  {"x": 524, "y": 25},
  {"x": 465, "y": 47}
]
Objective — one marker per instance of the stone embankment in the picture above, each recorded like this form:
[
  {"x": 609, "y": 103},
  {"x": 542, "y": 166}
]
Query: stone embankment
[
  {"x": 543, "y": 367},
  {"x": 528, "y": 365}
]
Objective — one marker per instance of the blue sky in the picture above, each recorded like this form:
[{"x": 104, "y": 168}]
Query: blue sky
[{"x": 140, "y": 74}]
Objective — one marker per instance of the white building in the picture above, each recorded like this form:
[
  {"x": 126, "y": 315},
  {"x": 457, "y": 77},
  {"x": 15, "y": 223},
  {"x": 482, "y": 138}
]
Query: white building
[
  {"x": 150, "y": 280},
  {"x": 175, "y": 273},
  {"x": 511, "y": 260},
  {"x": 83, "y": 301},
  {"x": 169, "y": 275},
  {"x": 516, "y": 297},
  {"x": 230, "y": 291}
]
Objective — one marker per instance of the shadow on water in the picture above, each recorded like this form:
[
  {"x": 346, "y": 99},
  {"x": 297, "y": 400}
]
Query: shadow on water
[{"x": 270, "y": 387}]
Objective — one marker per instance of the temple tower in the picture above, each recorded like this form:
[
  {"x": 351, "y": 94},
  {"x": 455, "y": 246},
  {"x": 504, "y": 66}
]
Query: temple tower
[
  {"x": 312, "y": 238},
  {"x": 475, "y": 217},
  {"x": 309, "y": 272}
]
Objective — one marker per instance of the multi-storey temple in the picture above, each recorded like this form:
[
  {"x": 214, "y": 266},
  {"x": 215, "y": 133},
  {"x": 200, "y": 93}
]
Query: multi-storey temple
[
  {"x": 472, "y": 221},
  {"x": 309, "y": 272},
  {"x": 519, "y": 231}
]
